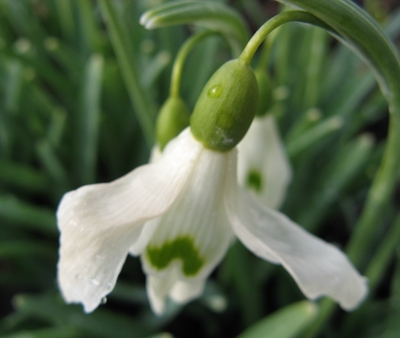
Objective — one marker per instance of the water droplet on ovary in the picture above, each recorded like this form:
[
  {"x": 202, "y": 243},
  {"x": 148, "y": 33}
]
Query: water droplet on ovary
[
  {"x": 215, "y": 91},
  {"x": 95, "y": 282}
]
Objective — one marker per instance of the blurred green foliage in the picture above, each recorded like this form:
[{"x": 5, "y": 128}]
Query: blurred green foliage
[{"x": 78, "y": 102}]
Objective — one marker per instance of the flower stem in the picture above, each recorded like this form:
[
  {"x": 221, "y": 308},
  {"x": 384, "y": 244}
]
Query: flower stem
[
  {"x": 363, "y": 33},
  {"x": 181, "y": 58},
  {"x": 383, "y": 255},
  {"x": 266, "y": 51},
  {"x": 270, "y": 25}
]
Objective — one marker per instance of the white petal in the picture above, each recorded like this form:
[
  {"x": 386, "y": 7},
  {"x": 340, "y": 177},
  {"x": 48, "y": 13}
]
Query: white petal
[
  {"x": 184, "y": 291},
  {"x": 168, "y": 283},
  {"x": 318, "y": 267},
  {"x": 147, "y": 231},
  {"x": 194, "y": 233},
  {"x": 98, "y": 223},
  {"x": 155, "y": 154},
  {"x": 261, "y": 151},
  {"x": 158, "y": 289}
]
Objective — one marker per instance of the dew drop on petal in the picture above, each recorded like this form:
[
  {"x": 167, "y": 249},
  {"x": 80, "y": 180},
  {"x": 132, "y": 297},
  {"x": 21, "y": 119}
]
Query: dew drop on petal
[
  {"x": 104, "y": 300},
  {"x": 95, "y": 282}
]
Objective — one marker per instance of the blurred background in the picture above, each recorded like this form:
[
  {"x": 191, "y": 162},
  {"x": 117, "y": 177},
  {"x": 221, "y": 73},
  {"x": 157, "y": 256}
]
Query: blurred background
[{"x": 72, "y": 112}]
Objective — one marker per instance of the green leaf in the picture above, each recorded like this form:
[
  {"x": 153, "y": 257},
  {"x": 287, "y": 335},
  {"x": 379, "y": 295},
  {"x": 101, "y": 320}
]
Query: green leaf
[
  {"x": 286, "y": 323},
  {"x": 349, "y": 161},
  {"x": 27, "y": 215},
  {"x": 102, "y": 323},
  {"x": 21, "y": 248},
  {"x": 53, "y": 332},
  {"x": 360, "y": 31},
  {"x": 124, "y": 50},
  {"x": 212, "y": 15},
  {"x": 313, "y": 135},
  {"x": 87, "y": 122},
  {"x": 23, "y": 176}
]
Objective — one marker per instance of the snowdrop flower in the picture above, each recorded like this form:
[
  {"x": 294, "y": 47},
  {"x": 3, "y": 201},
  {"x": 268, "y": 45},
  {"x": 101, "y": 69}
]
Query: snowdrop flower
[
  {"x": 263, "y": 166},
  {"x": 181, "y": 213}
]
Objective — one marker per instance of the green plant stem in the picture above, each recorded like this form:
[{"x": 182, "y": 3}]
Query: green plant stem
[
  {"x": 270, "y": 25},
  {"x": 382, "y": 257},
  {"x": 144, "y": 108},
  {"x": 374, "y": 274},
  {"x": 181, "y": 58},
  {"x": 358, "y": 29},
  {"x": 266, "y": 52}
]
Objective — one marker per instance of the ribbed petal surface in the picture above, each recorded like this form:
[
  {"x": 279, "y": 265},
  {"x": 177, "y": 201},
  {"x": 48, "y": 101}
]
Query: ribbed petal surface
[
  {"x": 318, "y": 267},
  {"x": 192, "y": 236},
  {"x": 98, "y": 223}
]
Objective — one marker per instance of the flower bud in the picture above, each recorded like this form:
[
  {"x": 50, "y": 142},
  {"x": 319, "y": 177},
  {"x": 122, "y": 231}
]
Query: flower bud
[
  {"x": 264, "y": 92},
  {"x": 173, "y": 118},
  {"x": 226, "y": 107}
]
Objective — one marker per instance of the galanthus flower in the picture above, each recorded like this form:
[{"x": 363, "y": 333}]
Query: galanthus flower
[
  {"x": 181, "y": 213},
  {"x": 263, "y": 165}
]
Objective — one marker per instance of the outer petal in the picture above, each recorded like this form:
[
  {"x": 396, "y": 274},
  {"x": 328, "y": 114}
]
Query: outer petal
[
  {"x": 98, "y": 223},
  {"x": 261, "y": 151},
  {"x": 192, "y": 236},
  {"x": 155, "y": 154},
  {"x": 318, "y": 267}
]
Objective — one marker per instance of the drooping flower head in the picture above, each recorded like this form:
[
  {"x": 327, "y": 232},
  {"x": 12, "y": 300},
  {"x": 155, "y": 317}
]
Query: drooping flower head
[{"x": 181, "y": 213}]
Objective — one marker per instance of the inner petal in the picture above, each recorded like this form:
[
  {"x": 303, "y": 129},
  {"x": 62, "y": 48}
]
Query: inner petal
[{"x": 194, "y": 233}]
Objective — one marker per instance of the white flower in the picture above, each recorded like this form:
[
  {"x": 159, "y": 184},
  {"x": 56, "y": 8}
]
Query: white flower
[
  {"x": 180, "y": 214},
  {"x": 263, "y": 166}
]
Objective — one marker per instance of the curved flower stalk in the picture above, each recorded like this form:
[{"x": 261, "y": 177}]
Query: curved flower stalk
[
  {"x": 263, "y": 166},
  {"x": 174, "y": 114},
  {"x": 181, "y": 214}
]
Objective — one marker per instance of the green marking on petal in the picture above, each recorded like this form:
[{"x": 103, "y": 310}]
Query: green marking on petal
[
  {"x": 182, "y": 248},
  {"x": 254, "y": 180}
]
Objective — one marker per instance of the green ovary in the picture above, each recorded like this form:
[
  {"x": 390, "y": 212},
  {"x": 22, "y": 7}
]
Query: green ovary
[
  {"x": 254, "y": 180},
  {"x": 182, "y": 248}
]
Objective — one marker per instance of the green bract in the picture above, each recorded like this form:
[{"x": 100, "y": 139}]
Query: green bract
[
  {"x": 226, "y": 107},
  {"x": 264, "y": 91},
  {"x": 173, "y": 118}
]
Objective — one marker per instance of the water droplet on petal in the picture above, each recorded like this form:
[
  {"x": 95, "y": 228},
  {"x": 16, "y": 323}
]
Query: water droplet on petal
[
  {"x": 108, "y": 286},
  {"x": 215, "y": 91},
  {"x": 95, "y": 282},
  {"x": 103, "y": 300}
]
